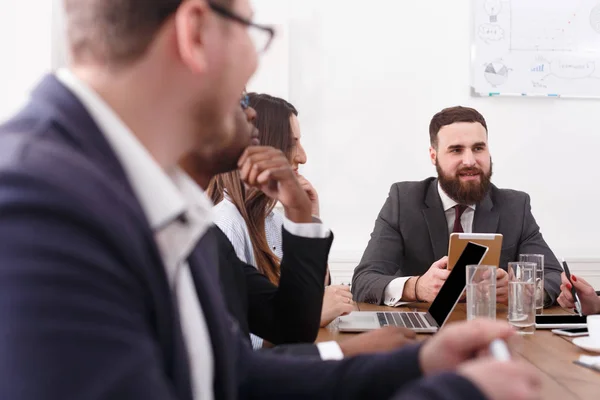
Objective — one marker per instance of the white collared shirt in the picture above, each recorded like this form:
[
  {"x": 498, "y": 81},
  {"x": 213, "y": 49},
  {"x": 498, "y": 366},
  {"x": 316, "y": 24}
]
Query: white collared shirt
[
  {"x": 163, "y": 197},
  {"x": 394, "y": 290}
]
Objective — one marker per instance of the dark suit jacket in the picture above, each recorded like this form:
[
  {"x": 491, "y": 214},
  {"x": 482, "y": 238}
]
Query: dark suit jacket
[
  {"x": 290, "y": 313},
  {"x": 411, "y": 232},
  {"x": 86, "y": 311}
]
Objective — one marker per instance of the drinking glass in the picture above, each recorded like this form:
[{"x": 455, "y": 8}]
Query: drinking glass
[
  {"x": 481, "y": 291},
  {"x": 538, "y": 259},
  {"x": 521, "y": 296}
]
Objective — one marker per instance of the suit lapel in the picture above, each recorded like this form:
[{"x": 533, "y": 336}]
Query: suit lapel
[
  {"x": 204, "y": 262},
  {"x": 436, "y": 221},
  {"x": 486, "y": 218}
]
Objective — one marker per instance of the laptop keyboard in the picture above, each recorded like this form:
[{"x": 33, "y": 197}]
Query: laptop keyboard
[{"x": 403, "y": 319}]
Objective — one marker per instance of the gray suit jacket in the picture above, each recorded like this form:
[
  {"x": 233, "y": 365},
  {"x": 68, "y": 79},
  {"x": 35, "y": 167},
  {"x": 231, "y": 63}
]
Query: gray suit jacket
[{"x": 411, "y": 232}]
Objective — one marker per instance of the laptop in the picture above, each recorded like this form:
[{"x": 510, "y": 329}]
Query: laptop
[{"x": 439, "y": 310}]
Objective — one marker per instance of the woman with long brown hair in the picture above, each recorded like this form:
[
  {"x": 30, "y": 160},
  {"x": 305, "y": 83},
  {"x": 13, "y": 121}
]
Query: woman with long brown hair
[{"x": 248, "y": 217}]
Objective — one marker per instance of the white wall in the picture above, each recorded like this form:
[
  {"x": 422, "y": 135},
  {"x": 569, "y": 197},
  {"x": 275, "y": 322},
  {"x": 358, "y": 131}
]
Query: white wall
[
  {"x": 25, "y": 46},
  {"x": 368, "y": 76},
  {"x": 60, "y": 55},
  {"x": 273, "y": 76}
]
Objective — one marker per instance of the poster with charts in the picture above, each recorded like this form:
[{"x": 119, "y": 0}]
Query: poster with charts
[{"x": 536, "y": 48}]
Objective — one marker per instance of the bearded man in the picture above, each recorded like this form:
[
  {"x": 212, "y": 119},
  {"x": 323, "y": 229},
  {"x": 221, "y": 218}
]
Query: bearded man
[{"x": 406, "y": 258}]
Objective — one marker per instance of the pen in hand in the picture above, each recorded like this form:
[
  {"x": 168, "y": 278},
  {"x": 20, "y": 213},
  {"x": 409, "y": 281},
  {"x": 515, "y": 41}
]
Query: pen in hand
[
  {"x": 499, "y": 350},
  {"x": 573, "y": 291}
]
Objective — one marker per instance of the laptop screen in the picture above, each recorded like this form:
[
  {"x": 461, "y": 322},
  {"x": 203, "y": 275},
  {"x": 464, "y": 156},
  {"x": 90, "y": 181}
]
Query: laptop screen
[{"x": 450, "y": 292}]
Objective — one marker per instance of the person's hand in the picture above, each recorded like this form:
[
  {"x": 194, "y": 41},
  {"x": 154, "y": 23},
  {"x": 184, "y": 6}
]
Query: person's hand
[
  {"x": 590, "y": 302},
  {"x": 383, "y": 339},
  {"x": 429, "y": 285},
  {"x": 501, "y": 286},
  {"x": 336, "y": 301},
  {"x": 459, "y": 342},
  {"x": 312, "y": 194},
  {"x": 268, "y": 169},
  {"x": 503, "y": 380}
]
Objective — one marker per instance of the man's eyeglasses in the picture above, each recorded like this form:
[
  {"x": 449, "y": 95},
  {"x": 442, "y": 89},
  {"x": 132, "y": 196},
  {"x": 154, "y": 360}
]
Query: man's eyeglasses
[{"x": 261, "y": 35}]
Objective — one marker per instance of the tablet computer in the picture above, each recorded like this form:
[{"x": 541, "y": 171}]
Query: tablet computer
[
  {"x": 458, "y": 242},
  {"x": 555, "y": 321}
]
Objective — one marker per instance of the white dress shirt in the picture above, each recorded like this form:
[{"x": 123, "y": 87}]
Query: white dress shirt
[
  {"x": 163, "y": 197},
  {"x": 394, "y": 290}
]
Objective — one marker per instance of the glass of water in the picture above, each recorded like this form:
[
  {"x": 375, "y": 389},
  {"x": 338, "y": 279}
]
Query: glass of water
[
  {"x": 538, "y": 259},
  {"x": 481, "y": 291},
  {"x": 521, "y": 296}
]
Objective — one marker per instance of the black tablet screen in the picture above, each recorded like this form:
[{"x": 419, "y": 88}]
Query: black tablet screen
[
  {"x": 559, "y": 319},
  {"x": 455, "y": 284}
]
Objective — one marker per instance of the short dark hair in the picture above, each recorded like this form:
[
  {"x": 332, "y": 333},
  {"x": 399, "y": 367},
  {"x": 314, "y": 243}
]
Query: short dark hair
[
  {"x": 451, "y": 115},
  {"x": 116, "y": 31}
]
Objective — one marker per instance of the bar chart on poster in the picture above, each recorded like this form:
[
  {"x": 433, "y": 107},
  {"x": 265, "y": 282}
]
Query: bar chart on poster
[{"x": 536, "y": 48}]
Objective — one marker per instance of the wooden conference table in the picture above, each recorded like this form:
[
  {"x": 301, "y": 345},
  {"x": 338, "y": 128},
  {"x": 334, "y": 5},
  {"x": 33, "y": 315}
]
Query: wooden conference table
[{"x": 552, "y": 355}]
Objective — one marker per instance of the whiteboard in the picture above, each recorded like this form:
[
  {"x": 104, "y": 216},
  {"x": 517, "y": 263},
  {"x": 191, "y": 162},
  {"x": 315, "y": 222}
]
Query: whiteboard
[{"x": 536, "y": 47}]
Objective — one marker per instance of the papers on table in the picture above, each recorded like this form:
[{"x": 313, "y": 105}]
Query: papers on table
[{"x": 591, "y": 362}]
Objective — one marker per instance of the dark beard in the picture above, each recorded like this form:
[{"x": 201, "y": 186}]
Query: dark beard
[{"x": 466, "y": 193}]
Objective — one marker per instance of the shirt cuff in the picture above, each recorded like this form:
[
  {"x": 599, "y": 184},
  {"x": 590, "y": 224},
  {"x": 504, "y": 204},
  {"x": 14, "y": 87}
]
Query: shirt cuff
[
  {"x": 330, "y": 351},
  {"x": 312, "y": 230},
  {"x": 257, "y": 342},
  {"x": 393, "y": 292}
]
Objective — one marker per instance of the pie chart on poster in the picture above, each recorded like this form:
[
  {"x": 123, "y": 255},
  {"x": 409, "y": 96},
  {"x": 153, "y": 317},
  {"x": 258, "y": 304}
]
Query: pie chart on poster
[
  {"x": 595, "y": 18},
  {"x": 496, "y": 73}
]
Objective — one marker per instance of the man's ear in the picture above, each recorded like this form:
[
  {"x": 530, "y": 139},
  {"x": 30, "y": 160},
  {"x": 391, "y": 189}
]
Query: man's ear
[
  {"x": 191, "y": 22},
  {"x": 432, "y": 154}
]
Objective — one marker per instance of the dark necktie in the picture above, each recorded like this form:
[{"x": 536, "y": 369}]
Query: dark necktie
[{"x": 459, "y": 209}]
